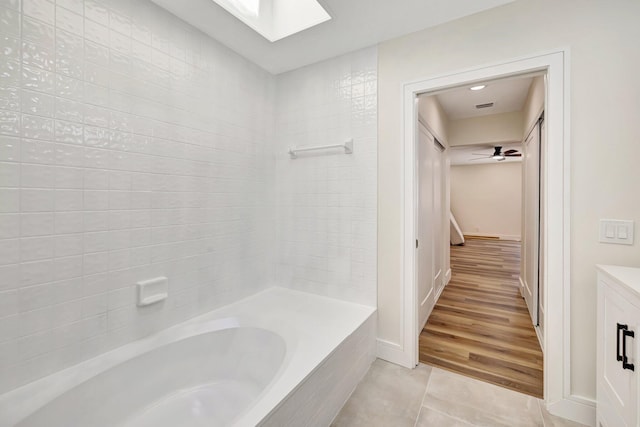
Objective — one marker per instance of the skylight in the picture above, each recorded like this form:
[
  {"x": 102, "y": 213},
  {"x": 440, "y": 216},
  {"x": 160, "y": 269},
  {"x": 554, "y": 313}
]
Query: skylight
[
  {"x": 252, "y": 7},
  {"x": 276, "y": 19}
]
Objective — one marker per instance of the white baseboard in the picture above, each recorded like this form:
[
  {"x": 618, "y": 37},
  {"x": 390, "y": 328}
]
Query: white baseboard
[
  {"x": 392, "y": 352},
  {"x": 575, "y": 408},
  {"x": 513, "y": 237},
  {"x": 447, "y": 277}
]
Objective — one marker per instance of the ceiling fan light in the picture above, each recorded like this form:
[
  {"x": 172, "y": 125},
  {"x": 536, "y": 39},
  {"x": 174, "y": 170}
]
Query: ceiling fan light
[
  {"x": 498, "y": 157},
  {"x": 478, "y": 87}
]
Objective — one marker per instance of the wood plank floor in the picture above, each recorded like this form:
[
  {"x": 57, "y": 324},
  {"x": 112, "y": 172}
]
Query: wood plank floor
[{"x": 480, "y": 326}]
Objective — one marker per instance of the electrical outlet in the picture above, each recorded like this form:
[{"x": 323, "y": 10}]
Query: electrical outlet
[{"x": 616, "y": 231}]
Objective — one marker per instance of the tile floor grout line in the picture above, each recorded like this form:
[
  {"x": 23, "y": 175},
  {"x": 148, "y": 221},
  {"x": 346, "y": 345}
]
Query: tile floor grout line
[
  {"x": 541, "y": 414},
  {"x": 424, "y": 395},
  {"x": 415, "y": 423},
  {"x": 453, "y": 417}
]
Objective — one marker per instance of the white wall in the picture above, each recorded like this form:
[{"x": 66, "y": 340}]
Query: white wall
[
  {"x": 431, "y": 113},
  {"x": 486, "y": 199},
  {"x": 493, "y": 129},
  {"x": 131, "y": 146},
  {"x": 602, "y": 37},
  {"x": 533, "y": 105},
  {"x": 326, "y": 201}
]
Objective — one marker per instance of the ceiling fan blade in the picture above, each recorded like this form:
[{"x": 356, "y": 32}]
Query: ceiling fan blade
[
  {"x": 510, "y": 151},
  {"x": 513, "y": 155},
  {"x": 481, "y": 158}
]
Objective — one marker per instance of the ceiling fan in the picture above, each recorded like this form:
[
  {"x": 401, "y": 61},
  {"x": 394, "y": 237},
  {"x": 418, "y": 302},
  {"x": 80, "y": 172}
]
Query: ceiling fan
[{"x": 498, "y": 154}]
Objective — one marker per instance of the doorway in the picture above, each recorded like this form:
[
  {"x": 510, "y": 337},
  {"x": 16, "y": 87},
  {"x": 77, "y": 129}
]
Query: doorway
[
  {"x": 480, "y": 325},
  {"x": 555, "y": 205}
]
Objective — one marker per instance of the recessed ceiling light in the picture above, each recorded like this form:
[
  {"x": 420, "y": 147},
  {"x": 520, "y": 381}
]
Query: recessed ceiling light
[{"x": 479, "y": 87}]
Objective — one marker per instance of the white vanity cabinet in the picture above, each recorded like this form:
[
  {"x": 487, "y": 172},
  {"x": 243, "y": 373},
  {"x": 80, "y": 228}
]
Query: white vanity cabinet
[{"x": 617, "y": 345}]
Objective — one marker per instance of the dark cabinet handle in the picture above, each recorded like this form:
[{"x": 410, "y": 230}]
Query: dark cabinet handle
[
  {"x": 620, "y": 328},
  {"x": 625, "y": 359}
]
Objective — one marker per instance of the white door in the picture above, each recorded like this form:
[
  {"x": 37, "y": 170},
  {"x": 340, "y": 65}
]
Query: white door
[
  {"x": 446, "y": 212},
  {"x": 438, "y": 225},
  {"x": 531, "y": 220},
  {"x": 541, "y": 226},
  {"x": 424, "y": 225}
]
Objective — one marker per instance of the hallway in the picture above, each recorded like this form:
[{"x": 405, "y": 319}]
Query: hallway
[{"x": 480, "y": 326}]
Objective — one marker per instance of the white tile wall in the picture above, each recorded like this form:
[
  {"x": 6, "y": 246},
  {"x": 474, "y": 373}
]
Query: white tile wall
[
  {"x": 326, "y": 202},
  {"x": 131, "y": 146}
]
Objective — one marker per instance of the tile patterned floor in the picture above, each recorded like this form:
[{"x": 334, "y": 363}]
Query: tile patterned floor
[{"x": 393, "y": 396}]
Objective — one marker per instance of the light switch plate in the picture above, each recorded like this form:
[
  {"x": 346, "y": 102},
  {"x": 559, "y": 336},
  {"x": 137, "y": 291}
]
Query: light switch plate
[{"x": 616, "y": 231}]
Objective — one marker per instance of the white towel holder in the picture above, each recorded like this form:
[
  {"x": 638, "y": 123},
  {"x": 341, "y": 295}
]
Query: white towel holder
[{"x": 347, "y": 146}]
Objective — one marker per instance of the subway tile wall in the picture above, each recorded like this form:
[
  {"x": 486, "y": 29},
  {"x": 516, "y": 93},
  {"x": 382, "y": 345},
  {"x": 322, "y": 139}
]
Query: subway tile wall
[
  {"x": 131, "y": 146},
  {"x": 326, "y": 201}
]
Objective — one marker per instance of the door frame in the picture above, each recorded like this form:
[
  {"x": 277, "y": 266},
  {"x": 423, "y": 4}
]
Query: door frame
[{"x": 556, "y": 251}]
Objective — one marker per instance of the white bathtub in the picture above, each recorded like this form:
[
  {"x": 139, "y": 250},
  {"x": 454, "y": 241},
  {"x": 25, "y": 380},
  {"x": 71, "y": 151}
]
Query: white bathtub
[{"x": 278, "y": 358}]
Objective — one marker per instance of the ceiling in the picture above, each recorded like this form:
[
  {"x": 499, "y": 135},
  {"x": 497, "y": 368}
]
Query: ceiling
[
  {"x": 355, "y": 24},
  {"x": 463, "y": 155},
  {"x": 507, "y": 95}
]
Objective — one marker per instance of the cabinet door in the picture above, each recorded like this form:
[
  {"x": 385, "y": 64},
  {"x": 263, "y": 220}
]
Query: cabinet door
[{"x": 618, "y": 383}]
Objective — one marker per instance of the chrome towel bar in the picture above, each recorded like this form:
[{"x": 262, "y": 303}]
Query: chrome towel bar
[{"x": 347, "y": 146}]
